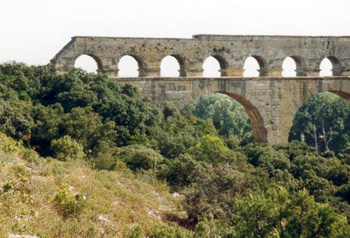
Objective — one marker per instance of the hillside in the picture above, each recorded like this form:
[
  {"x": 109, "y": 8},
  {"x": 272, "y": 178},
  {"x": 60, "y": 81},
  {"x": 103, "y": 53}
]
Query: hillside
[
  {"x": 83, "y": 156},
  {"x": 113, "y": 202}
]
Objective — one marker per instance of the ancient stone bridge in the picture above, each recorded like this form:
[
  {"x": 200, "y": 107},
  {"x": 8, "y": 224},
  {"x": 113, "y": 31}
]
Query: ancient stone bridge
[{"x": 270, "y": 100}]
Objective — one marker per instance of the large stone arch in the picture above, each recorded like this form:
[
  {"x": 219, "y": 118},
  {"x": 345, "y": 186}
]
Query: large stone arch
[
  {"x": 257, "y": 121},
  {"x": 339, "y": 87},
  {"x": 253, "y": 106}
]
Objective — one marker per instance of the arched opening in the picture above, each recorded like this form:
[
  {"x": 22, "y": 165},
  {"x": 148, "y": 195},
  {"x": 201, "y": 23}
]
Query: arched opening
[
  {"x": 253, "y": 66},
  {"x": 326, "y": 68},
  {"x": 323, "y": 122},
  {"x": 330, "y": 66},
  {"x": 170, "y": 67},
  {"x": 88, "y": 63},
  {"x": 232, "y": 115},
  {"x": 213, "y": 65},
  {"x": 289, "y": 67},
  {"x": 129, "y": 66}
]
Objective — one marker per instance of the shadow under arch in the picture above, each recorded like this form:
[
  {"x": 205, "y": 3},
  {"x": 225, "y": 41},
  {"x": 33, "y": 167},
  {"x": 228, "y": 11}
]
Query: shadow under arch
[
  {"x": 141, "y": 62},
  {"x": 222, "y": 62},
  {"x": 343, "y": 95},
  {"x": 256, "y": 120},
  {"x": 94, "y": 57}
]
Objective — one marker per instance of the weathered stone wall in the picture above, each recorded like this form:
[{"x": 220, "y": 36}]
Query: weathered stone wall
[
  {"x": 270, "y": 100},
  {"x": 230, "y": 51}
]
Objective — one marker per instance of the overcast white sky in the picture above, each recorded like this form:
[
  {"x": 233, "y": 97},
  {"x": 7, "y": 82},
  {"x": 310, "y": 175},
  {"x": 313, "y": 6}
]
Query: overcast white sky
[{"x": 33, "y": 31}]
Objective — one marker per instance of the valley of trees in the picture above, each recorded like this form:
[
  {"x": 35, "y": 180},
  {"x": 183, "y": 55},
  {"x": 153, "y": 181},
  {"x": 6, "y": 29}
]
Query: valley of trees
[{"x": 231, "y": 186}]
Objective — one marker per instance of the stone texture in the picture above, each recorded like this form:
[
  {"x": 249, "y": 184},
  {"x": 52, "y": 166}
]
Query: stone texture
[
  {"x": 230, "y": 51},
  {"x": 270, "y": 100}
]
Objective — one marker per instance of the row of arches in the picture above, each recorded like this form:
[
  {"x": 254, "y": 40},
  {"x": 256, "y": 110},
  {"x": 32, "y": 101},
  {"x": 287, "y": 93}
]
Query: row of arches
[{"x": 171, "y": 67}]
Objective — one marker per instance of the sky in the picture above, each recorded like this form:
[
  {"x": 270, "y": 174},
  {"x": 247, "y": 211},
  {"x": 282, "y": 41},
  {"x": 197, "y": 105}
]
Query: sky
[{"x": 34, "y": 31}]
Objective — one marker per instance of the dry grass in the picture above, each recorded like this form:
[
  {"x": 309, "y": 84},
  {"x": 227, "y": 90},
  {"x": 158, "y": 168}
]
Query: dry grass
[{"x": 116, "y": 201}]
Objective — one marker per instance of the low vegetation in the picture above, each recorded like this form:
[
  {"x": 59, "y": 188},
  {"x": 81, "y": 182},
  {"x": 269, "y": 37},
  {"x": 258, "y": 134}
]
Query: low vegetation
[{"x": 82, "y": 156}]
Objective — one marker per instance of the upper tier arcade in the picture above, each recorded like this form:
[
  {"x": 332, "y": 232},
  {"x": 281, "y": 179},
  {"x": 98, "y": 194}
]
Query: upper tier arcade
[{"x": 230, "y": 50}]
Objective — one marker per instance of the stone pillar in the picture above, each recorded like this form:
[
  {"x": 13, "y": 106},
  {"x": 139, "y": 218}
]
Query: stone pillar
[
  {"x": 345, "y": 68},
  {"x": 112, "y": 73},
  {"x": 64, "y": 66},
  {"x": 312, "y": 72},
  {"x": 232, "y": 72},
  {"x": 312, "y": 68},
  {"x": 345, "y": 73},
  {"x": 271, "y": 72},
  {"x": 337, "y": 70},
  {"x": 300, "y": 71},
  {"x": 194, "y": 73},
  {"x": 149, "y": 72}
]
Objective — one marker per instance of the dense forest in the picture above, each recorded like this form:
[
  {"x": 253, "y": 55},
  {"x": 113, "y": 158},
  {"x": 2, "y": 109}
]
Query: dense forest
[{"x": 230, "y": 186}]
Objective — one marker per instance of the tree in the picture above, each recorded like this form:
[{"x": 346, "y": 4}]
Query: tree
[
  {"x": 227, "y": 114},
  {"x": 320, "y": 121},
  {"x": 278, "y": 213}
]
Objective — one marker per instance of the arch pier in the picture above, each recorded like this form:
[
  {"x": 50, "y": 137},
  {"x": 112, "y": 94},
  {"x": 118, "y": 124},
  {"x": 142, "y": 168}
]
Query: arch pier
[{"x": 269, "y": 99}]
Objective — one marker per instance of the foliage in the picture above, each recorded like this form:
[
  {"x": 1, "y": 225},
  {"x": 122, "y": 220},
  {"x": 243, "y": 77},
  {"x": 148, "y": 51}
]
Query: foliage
[
  {"x": 323, "y": 123},
  {"x": 276, "y": 213},
  {"x": 182, "y": 171},
  {"x": 92, "y": 109},
  {"x": 69, "y": 204},
  {"x": 227, "y": 114},
  {"x": 15, "y": 119},
  {"x": 140, "y": 157},
  {"x": 225, "y": 185},
  {"x": 67, "y": 148},
  {"x": 169, "y": 232}
]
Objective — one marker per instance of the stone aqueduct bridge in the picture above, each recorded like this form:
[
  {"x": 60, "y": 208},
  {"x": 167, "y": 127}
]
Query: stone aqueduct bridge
[{"x": 270, "y": 100}]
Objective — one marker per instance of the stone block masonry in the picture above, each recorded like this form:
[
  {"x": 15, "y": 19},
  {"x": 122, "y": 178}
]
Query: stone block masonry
[{"x": 270, "y": 100}]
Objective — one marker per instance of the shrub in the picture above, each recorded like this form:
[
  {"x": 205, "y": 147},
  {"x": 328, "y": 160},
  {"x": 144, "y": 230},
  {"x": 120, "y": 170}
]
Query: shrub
[
  {"x": 209, "y": 229},
  {"x": 140, "y": 157},
  {"x": 136, "y": 233},
  {"x": 67, "y": 148},
  {"x": 69, "y": 204},
  {"x": 183, "y": 171},
  {"x": 278, "y": 213},
  {"x": 8, "y": 144},
  {"x": 165, "y": 231},
  {"x": 212, "y": 149}
]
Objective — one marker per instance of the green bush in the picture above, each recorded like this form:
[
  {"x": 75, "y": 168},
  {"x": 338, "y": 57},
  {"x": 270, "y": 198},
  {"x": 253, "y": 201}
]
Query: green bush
[
  {"x": 182, "y": 171},
  {"x": 165, "y": 231},
  {"x": 67, "y": 148},
  {"x": 136, "y": 233},
  {"x": 206, "y": 229},
  {"x": 212, "y": 149},
  {"x": 69, "y": 204},
  {"x": 278, "y": 213},
  {"x": 140, "y": 157}
]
